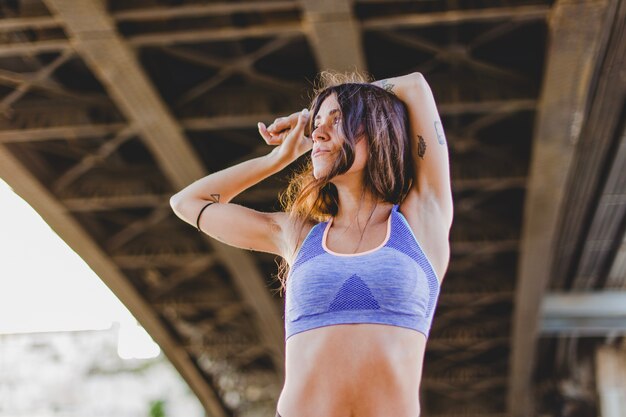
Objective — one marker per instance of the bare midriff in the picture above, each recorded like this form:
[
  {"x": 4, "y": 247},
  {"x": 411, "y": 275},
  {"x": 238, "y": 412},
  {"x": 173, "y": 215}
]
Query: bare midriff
[{"x": 353, "y": 370}]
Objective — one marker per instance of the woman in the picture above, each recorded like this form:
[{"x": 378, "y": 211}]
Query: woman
[{"x": 364, "y": 236}]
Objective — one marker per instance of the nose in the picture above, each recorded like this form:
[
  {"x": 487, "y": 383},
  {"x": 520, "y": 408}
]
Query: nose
[{"x": 319, "y": 133}]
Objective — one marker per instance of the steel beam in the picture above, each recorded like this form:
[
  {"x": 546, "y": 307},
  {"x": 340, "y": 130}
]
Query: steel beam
[
  {"x": 234, "y": 121},
  {"x": 452, "y": 17},
  {"x": 113, "y": 61},
  {"x": 334, "y": 34},
  {"x": 64, "y": 224},
  {"x": 611, "y": 377},
  {"x": 574, "y": 52},
  {"x": 597, "y": 313}
]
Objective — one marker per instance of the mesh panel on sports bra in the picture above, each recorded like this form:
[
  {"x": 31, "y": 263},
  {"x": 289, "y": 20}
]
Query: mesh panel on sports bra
[
  {"x": 354, "y": 294},
  {"x": 405, "y": 241},
  {"x": 308, "y": 251}
]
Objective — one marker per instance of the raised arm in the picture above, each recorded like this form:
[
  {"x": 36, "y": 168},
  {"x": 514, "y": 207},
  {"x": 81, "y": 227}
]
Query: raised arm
[
  {"x": 429, "y": 145},
  {"x": 234, "y": 224}
]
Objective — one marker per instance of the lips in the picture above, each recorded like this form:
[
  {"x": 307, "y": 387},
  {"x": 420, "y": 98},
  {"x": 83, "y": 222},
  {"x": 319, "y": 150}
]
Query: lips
[{"x": 318, "y": 151}]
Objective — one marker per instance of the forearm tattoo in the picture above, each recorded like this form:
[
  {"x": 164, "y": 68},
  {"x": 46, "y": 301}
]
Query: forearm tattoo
[
  {"x": 441, "y": 137},
  {"x": 421, "y": 147},
  {"x": 387, "y": 86}
]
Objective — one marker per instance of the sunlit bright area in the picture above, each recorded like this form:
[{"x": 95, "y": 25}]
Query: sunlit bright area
[{"x": 45, "y": 286}]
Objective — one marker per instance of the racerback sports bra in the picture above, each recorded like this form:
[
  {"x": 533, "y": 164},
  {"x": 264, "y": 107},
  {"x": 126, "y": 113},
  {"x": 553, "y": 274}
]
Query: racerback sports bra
[{"x": 393, "y": 284}]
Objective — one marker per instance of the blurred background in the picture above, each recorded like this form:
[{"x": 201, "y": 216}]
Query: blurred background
[{"x": 111, "y": 305}]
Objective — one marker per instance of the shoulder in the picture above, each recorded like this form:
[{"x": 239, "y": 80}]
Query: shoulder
[{"x": 431, "y": 228}]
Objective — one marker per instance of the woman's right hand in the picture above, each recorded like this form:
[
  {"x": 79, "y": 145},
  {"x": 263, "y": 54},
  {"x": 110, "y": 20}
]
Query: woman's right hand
[{"x": 288, "y": 135}]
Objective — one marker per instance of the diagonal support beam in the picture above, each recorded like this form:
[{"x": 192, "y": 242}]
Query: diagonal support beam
[
  {"x": 454, "y": 54},
  {"x": 334, "y": 34},
  {"x": 64, "y": 224},
  {"x": 226, "y": 67},
  {"x": 42, "y": 74},
  {"x": 93, "y": 34},
  {"x": 573, "y": 54}
]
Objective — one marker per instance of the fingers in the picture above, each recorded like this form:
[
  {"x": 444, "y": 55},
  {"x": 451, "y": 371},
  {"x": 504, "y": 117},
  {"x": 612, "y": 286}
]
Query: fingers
[
  {"x": 282, "y": 127},
  {"x": 283, "y": 123},
  {"x": 269, "y": 138},
  {"x": 279, "y": 125},
  {"x": 263, "y": 132},
  {"x": 303, "y": 117}
]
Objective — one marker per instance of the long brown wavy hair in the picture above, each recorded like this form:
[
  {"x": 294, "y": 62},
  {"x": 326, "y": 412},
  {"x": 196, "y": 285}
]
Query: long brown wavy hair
[{"x": 367, "y": 111}]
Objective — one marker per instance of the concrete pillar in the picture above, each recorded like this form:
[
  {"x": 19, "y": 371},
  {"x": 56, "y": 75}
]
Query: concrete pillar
[{"x": 611, "y": 380}]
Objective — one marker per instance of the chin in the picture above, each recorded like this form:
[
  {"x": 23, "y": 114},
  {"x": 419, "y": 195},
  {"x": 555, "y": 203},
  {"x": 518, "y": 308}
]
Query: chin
[{"x": 317, "y": 171}]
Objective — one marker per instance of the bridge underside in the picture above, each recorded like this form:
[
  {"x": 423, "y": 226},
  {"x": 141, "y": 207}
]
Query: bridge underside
[{"x": 109, "y": 108}]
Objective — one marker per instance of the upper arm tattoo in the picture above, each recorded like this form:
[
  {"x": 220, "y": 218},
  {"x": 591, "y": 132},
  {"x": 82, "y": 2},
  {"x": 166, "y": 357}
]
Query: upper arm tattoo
[
  {"x": 387, "y": 86},
  {"x": 441, "y": 137},
  {"x": 421, "y": 146}
]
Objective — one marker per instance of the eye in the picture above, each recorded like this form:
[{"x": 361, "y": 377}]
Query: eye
[{"x": 336, "y": 120}]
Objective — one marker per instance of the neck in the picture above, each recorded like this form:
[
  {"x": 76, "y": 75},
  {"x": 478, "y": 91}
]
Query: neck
[{"x": 357, "y": 207}]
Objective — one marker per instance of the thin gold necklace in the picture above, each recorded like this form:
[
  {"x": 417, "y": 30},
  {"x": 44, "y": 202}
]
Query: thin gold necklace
[{"x": 365, "y": 227}]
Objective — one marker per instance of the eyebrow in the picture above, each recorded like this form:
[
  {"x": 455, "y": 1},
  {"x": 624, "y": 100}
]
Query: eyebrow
[{"x": 330, "y": 113}]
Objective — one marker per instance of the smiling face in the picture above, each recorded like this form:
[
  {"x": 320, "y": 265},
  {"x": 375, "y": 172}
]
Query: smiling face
[{"x": 328, "y": 138}]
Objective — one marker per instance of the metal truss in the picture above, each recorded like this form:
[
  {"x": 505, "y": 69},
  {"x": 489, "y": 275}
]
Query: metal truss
[{"x": 110, "y": 108}]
